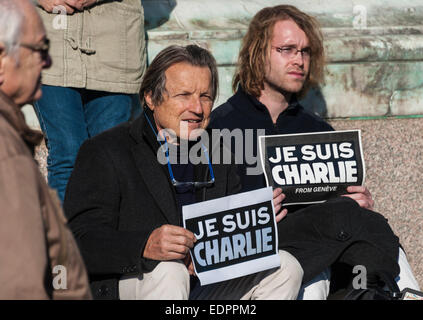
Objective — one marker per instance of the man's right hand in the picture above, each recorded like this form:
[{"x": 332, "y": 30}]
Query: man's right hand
[
  {"x": 169, "y": 242},
  {"x": 49, "y": 5}
]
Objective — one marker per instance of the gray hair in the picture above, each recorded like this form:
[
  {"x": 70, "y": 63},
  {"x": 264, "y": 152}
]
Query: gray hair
[
  {"x": 11, "y": 21},
  {"x": 154, "y": 80}
]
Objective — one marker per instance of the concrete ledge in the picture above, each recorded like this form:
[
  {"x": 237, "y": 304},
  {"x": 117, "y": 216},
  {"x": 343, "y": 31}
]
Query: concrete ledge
[{"x": 393, "y": 153}]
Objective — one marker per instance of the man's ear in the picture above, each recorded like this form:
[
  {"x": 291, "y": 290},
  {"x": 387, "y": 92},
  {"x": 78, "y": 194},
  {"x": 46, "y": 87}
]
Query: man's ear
[{"x": 149, "y": 101}]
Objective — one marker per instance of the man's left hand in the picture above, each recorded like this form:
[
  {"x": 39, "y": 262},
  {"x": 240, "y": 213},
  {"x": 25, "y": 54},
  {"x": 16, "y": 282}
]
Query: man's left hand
[
  {"x": 80, "y": 4},
  {"x": 362, "y": 195}
]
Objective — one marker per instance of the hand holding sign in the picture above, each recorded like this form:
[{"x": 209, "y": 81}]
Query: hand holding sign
[
  {"x": 169, "y": 243},
  {"x": 362, "y": 195},
  {"x": 278, "y": 197}
]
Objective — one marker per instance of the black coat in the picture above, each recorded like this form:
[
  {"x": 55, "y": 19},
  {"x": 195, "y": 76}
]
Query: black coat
[
  {"x": 118, "y": 194},
  {"x": 339, "y": 230}
]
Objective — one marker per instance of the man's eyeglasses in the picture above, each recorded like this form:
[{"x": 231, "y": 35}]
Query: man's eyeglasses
[
  {"x": 43, "y": 48},
  {"x": 291, "y": 52},
  {"x": 196, "y": 184},
  {"x": 184, "y": 184}
]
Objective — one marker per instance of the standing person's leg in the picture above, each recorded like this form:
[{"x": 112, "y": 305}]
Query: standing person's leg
[
  {"x": 61, "y": 116},
  {"x": 104, "y": 110}
]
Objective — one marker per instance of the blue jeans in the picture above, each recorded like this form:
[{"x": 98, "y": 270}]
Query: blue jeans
[{"x": 69, "y": 116}]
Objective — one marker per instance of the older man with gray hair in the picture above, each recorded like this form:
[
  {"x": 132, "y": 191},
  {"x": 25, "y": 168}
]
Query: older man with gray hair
[
  {"x": 39, "y": 257},
  {"x": 125, "y": 207}
]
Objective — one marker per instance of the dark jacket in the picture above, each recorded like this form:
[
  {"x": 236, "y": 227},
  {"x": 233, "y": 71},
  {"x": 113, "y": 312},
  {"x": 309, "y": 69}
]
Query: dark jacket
[
  {"x": 118, "y": 194},
  {"x": 339, "y": 230},
  {"x": 244, "y": 111}
]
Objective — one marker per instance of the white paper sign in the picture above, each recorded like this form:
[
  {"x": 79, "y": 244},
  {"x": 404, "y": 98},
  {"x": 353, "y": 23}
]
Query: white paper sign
[{"x": 236, "y": 235}]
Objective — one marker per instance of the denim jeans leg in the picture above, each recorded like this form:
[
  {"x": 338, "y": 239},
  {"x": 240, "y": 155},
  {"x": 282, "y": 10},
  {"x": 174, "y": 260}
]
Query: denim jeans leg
[
  {"x": 61, "y": 116},
  {"x": 104, "y": 110}
]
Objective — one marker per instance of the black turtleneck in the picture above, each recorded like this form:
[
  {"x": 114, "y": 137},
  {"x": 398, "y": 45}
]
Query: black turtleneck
[{"x": 243, "y": 111}]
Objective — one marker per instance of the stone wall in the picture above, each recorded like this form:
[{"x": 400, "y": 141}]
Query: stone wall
[
  {"x": 374, "y": 51},
  {"x": 393, "y": 153}
]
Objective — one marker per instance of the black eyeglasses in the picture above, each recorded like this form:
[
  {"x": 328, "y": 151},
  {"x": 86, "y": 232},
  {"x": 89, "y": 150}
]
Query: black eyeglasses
[
  {"x": 43, "y": 48},
  {"x": 290, "y": 52},
  {"x": 184, "y": 184}
]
